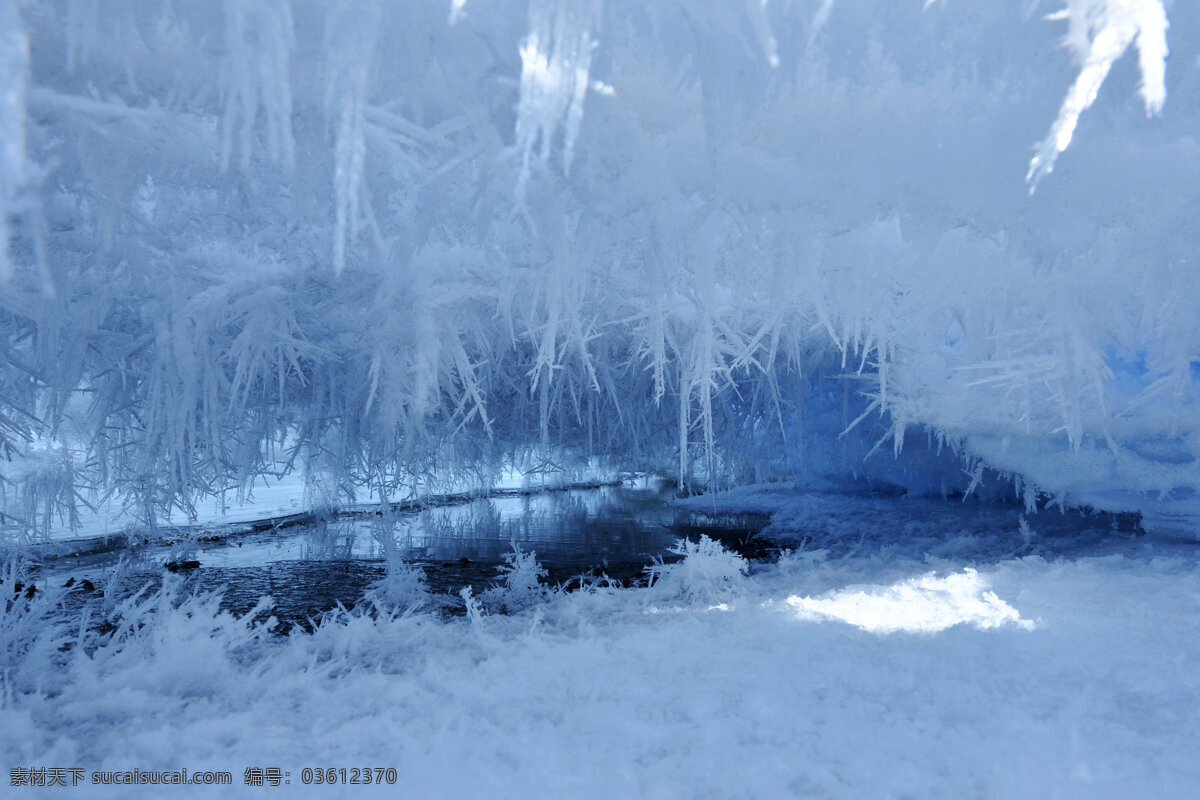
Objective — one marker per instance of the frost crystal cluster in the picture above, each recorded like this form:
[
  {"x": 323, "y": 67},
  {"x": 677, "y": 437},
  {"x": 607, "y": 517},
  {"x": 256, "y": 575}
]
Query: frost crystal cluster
[
  {"x": 1100, "y": 33},
  {"x": 728, "y": 241}
]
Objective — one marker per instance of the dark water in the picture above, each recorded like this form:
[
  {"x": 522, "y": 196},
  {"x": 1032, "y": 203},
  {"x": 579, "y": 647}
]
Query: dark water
[
  {"x": 614, "y": 532},
  {"x": 311, "y": 569}
]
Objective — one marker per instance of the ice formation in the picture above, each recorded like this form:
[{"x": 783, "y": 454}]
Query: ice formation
[
  {"x": 727, "y": 241},
  {"x": 1100, "y": 33}
]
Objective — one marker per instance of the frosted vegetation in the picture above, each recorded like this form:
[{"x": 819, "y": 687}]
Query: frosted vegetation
[{"x": 729, "y": 241}]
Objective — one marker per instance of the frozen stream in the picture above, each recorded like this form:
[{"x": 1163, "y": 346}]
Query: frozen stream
[{"x": 308, "y": 569}]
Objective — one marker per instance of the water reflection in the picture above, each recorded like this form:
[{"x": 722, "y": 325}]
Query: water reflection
[
  {"x": 309, "y": 569},
  {"x": 592, "y": 527}
]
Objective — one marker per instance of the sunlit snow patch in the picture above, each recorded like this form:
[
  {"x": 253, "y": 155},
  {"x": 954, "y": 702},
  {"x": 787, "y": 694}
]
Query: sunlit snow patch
[{"x": 926, "y": 603}]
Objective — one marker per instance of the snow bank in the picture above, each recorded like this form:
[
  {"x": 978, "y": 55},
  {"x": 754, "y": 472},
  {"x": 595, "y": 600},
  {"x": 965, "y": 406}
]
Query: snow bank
[{"x": 1075, "y": 678}]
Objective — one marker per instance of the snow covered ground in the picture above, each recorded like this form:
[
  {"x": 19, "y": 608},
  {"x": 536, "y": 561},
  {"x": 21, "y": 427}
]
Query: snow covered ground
[{"x": 936, "y": 665}]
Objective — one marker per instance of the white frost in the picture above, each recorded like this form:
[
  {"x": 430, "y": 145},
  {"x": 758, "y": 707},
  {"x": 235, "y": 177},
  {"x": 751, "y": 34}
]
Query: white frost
[
  {"x": 14, "y": 68},
  {"x": 1099, "y": 33},
  {"x": 556, "y": 58}
]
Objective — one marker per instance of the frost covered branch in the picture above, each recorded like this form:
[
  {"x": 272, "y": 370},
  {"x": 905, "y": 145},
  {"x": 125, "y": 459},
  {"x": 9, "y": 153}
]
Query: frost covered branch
[
  {"x": 1099, "y": 33},
  {"x": 556, "y": 59},
  {"x": 281, "y": 235}
]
